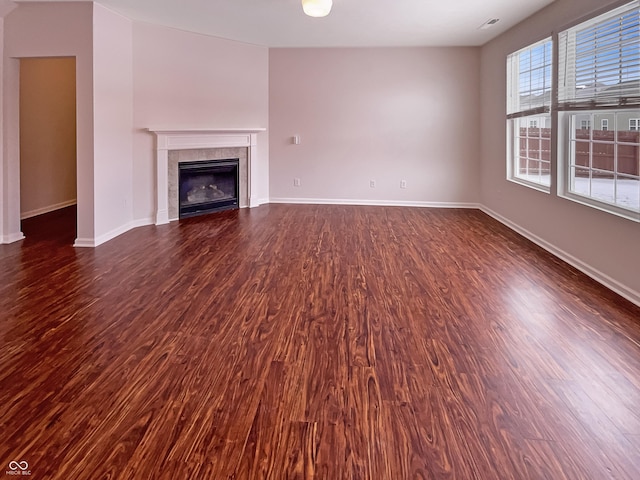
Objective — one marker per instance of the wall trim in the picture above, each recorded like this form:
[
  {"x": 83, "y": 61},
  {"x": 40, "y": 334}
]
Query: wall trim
[
  {"x": 260, "y": 201},
  {"x": 374, "y": 203},
  {"x": 13, "y": 237},
  {"x": 50, "y": 208},
  {"x": 84, "y": 243},
  {"x": 142, "y": 222},
  {"x": 595, "y": 274},
  {"x": 94, "y": 242}
]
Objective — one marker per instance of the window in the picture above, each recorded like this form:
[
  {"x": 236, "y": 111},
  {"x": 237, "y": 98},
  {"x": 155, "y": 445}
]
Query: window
[
  {"x": 599, "y": 81},
  {"x": 604, "y": 164},
  {"x": 528, "y": 115}
]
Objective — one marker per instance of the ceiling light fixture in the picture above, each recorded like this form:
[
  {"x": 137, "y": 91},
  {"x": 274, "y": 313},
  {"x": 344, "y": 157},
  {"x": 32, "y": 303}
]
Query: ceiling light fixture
[{"x": 317, "y": 8}]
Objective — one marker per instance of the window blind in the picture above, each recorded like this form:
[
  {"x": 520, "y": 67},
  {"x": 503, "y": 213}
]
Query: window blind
[
  {"x": 529, "y": 79},
  {"x": 599, "y": 61}
]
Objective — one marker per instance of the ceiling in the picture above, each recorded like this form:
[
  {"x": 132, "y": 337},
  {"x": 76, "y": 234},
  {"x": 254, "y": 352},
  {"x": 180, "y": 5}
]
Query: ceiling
[{"x": 351, "y": 23}]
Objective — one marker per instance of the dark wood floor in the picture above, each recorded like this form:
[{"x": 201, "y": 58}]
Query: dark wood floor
[{"x": 327, "y": 342}]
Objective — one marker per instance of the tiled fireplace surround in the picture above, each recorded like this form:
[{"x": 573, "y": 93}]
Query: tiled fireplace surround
[{"x": 175, "y": 146}]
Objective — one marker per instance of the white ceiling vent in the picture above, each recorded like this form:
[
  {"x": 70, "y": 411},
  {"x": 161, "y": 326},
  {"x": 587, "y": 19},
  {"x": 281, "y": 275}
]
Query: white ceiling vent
[{"x": 489, "y": 23}]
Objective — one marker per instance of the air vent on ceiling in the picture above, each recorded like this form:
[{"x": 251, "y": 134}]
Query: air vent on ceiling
[{"x": 489, "y": 23}]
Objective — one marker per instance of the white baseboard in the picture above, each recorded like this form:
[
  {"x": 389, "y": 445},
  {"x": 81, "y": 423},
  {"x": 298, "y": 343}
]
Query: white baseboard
[
  {"x": 94, "y": 242},
  {"x": 50, "y": 208},
  {"x": 12, "y": 237},
  {"x": 84, "y": 243},
  {"x": 105, "y": 237},
  {"x": 374, "y": 203},
  {"x": 256, "y": 202},
  {"x": 598, "y": 276},
  {"x": 142, "y": 222}
]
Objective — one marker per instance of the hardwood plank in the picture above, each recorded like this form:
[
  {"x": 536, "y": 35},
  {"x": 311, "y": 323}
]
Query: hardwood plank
[
  {"x": 364, "y": 428},
  {"x": 408, "y": 452},
  {"x": 598, "y": 426},
  {"x": 321, "y": 342}
]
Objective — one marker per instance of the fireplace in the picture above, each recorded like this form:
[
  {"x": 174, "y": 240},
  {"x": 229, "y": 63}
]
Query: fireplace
[
  {"x": 174, "y": 146},
  {"x": 208, "y": 186}
]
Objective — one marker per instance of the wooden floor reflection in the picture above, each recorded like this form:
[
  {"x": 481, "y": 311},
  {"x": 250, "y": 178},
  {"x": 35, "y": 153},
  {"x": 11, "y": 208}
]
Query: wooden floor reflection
[{"x": 327, "y": 342}]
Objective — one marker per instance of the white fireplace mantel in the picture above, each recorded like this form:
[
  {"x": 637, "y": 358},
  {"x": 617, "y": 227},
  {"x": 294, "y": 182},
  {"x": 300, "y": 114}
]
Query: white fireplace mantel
[{"x": 186, "y": 139}]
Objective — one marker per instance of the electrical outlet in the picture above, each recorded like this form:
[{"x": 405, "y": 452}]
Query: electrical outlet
[
  {"x": 372, "y": 183},
  {"x": 296, "y": 182},
  {"x": 403, "y": 184}
]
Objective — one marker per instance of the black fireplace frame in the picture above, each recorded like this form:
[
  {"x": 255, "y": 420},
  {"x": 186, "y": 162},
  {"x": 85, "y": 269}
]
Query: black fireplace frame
[{"x": 204, "y": 208}]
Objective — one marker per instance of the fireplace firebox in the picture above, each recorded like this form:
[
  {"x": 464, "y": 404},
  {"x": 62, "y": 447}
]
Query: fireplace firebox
[{"x": 208, "y": 186}]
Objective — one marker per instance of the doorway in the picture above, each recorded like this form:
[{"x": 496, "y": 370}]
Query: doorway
[{"x": 48, "y": 155}]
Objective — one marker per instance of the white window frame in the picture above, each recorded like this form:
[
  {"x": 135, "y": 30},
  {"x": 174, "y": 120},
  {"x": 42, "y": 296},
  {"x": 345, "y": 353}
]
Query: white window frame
[
  {"x": 604, "y": 124},
  {"x": 592, "y": 171},
  {"x": 620, "y": 100},
  {"x": 529, "y": 112},
  {"x": 634, "y": 124}
]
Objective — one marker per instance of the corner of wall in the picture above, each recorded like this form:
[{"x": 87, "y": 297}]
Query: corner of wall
[{"x": 113, "y": 115}]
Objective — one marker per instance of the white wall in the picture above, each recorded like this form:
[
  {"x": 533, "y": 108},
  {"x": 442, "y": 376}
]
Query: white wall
[
  {"x": 184, "y": 80},
  {"x": 47, "y": 134},
  {"x": 383, "y": 114},
  {"x": 4, "y": 227},
  {"x": 48, "y": 30},
  {"x": 113, "y": 123},
  {"x": 104, "y": 107},
  {"x": 599, "y": 243},
  {"x": 152, "y": 75}
]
